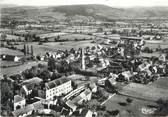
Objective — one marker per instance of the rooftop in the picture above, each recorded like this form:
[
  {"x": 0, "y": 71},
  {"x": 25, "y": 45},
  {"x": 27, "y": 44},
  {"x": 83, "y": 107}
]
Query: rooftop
[
  {"x": 17, "y": 98},
  {"x": 55, "y": 83},
  {"x": 32, "y": 81}
]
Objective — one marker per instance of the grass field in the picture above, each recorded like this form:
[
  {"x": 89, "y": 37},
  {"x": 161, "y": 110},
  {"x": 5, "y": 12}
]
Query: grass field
[
  {"x": 161, "y": 83},
  {"x": 53, "y": 46},
  {"x": 146, "y": 92},
  {"x": 76, "y": 36},
  {"x": 51, "y": 35},
  {"x": 13, "y": 37},
  {"x": 128, "y": 110},
  {"x": 10, "y": 51},
  {"x": 19, "y": 69},
  {"x": 34, "y": 31},
  {"x": 156, "y": 45}
]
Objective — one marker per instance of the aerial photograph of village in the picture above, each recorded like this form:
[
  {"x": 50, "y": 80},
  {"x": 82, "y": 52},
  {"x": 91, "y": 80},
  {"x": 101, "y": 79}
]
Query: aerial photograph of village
[{"x": 84, "y": 58}]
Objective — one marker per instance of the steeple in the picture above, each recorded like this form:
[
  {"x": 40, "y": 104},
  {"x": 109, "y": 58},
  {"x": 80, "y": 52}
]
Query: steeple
[{"x": 83, "y": 59}]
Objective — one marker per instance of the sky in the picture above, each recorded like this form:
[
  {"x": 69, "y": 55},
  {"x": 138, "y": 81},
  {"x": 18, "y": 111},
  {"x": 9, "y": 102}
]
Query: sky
[{"x": 113, "y": 3}]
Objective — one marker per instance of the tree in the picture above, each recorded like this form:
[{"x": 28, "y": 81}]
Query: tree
[
  {"x": 51, "y": 64},
  {"x": 114, "y": 31},
  {"x": 45, "y": 75},
  {"x": 65, "y": 66},
  {"x": 12, "y": 25},
  {"x": 162, "y": 109},
  {"x": 55, "y": 75},
  {"x": 18, "y": 107},
  {"x": 24, "y": 49},
  {"x": 46, "y": 39},
  {"x": 3, "y": 36},
  {"x": 27, "y": 49},
  {"x": 55, "y": 39},
  {"x": 40, "y": 43},
  {"x": 32, "y": 50},
  {"x": 72, "y": 50},
  {"x": 129, "y": 100},
  {"x": 58, "y": 37}
]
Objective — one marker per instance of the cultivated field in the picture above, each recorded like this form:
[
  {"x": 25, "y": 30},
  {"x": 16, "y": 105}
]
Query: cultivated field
[
  {"x": 34, "y": 31},
  {"x": 133, "y": 109},
  {"x": 10, "y": 51},
  {"x": 50, "y": 35},
  {"x": 19, "y": 69},
  {"x": 76, "y": 36},
  {"x": 156, "y": 45},
  {"x": 146, "y": 92},
  {"x": 13, "y": 37},
  {"x": 53, "y": 46}
]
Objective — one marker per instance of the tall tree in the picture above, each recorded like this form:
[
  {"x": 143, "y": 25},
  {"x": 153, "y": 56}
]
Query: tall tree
[
  {"x": 24, "y": 49},
  {"x": 51, "y": 64},
  {"x": 3, "y": 36},
  {"x": 32, "y": 50},
  {"x": 27, "y": 49}
]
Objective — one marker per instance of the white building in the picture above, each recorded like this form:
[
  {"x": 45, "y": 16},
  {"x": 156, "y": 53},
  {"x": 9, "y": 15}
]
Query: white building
[{"x": 58, "y": 87}]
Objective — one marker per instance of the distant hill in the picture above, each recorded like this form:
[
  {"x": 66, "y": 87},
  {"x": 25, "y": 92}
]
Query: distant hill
[{"x": 90, "y": 12}]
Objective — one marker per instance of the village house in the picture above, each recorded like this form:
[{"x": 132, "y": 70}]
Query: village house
[
  {"x": 29, "y": 85},
  {"x": 28, "y": 110},
  {"x": 56, "y": 87},
  {"x": 83, "y": 113},
  {"x": 13, "y": 58},
  {"x": 19, "y": 102},
  {"x": 93, "y": 87},
  {"x": 82, "y": 97}
]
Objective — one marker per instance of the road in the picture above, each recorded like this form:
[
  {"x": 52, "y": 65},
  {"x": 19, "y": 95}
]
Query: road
[{"x": 110, "y": 96}]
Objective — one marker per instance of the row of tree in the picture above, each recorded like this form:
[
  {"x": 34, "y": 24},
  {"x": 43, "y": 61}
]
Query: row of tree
[{"x": 27, "y": 51}]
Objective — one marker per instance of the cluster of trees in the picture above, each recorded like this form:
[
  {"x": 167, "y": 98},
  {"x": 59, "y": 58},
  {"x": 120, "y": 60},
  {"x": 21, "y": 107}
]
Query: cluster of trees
[
  {"x": 147, "y": 50},
  {"x": 26, "y": 50},
  {"x": 162, "y": 108},
  {"x": 40, "y": 71},
  {"x": 62, "y": 66},
  {"x": 7, "y": 93}
]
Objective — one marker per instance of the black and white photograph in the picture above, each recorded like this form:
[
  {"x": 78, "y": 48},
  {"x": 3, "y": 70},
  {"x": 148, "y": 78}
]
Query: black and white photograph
[{"x": 84, "y": 58}]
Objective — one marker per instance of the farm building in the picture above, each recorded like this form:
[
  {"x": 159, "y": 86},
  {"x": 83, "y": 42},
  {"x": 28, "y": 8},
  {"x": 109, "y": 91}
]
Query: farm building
[{"x": 10, "y": 58}]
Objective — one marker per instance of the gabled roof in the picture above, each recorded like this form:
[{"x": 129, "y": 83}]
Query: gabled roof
[
  {"x": 30, "y": 83},
  {"x": 84, "y": 112},
  {"x": 87, "y": 92},
  {"x": 65, "y": 111},
  {"x": 81, "y": 96},
  {"x": 71, "y": 105},
  {"x": 18, "y": 98},
  {"x": 34, "y": 80},
  {"x": 28, "y": 108},
  {"x": 55, "y": 83},
  {"x": 22, "y": 111}
]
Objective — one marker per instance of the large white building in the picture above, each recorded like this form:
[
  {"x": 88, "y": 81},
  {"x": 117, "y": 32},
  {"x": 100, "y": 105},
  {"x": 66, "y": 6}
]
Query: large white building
[{"x": 57, "y": 87}]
